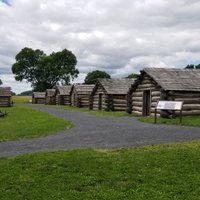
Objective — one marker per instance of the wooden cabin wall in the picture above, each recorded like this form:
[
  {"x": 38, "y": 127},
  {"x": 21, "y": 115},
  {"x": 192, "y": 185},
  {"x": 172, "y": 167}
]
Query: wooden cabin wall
[
  {"x": 47, "y": 100},
  {"x": 5, "y": 101},
  {"x": 73, "y": 98},
  {"x": 191, "y": 105},
  {"x": 80, "y": 99},
  {"x": 33, "y": 100},
  {"x": 50, "y": 100},
  {"x": 137, "y": 96},
  {"x": 119, "y": 102},
  {"x": 83, "y": 100},
  {"x": 53, "y": 100},
  {"x": 95, "y": 99},
  {"x": 39, "y": 100},
  {"x": 63, "y": 100},
  {"x": 57, "y": 100}
]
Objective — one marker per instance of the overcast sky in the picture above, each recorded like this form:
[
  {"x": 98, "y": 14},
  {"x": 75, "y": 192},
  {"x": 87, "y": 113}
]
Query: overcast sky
[{"x": 119, "y": 37}]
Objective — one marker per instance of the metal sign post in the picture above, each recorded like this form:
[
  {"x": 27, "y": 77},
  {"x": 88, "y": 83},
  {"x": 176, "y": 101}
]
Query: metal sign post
[{"x": 169, "y": 105}]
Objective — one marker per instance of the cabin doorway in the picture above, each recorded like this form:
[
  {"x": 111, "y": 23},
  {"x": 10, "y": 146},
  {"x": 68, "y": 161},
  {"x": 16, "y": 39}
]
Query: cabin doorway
[
  {"x": 146, "y": 103},
  {"x": 100, "y": 102},
  {"x": 74, "y": 100}
]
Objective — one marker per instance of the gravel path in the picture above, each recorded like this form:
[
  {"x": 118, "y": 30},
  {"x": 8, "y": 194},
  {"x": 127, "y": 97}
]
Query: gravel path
[{"x": 99, "y": 132}]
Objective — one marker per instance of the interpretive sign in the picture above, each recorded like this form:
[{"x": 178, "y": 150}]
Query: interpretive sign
[{"x": 169, "y": 105}]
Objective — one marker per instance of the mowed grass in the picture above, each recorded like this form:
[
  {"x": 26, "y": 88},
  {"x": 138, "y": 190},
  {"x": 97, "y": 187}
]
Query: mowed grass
[
  {"x": 96, "y": 113},
  {"x": 163, "y": 172},
  {"x": 112, "y": 113},
  {"x": 28, "y": 123},
  {"x": 22, "y": 99},
  {"x": 186, "y": 121}
]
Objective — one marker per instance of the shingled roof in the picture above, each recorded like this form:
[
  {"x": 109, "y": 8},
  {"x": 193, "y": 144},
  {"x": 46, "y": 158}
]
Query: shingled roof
[
  {"x": 175, "y": 79},
  {"x": 5, "y": 92},
  {"x": 64, "y": 90},
  {"x": 116, "y": 86},
  {"x": 83, "y": 89},
  {"x": 50, "y": 92},
  {"x": 39, "y": 94}
]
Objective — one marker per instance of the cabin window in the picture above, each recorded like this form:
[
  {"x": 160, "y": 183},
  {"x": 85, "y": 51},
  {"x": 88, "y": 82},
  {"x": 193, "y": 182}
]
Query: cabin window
[{"x": 146, "y": 103}]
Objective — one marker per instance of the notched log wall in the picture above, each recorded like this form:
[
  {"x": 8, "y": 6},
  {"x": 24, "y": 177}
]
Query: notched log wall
[
  {"x": 191, "y": 102},
  {"x": 5, "y": 101},
  {"x": 63, "y": 100},
  {"x": 137, "y": 96}
]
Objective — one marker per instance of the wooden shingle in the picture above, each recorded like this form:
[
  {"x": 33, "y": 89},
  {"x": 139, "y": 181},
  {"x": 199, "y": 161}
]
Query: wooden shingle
[
  {"x": 116, "y": 86},
  {"x": 50, "y": 92},
  {"x": 64, "y": 90},
  {"x": 175, "y": 79}
]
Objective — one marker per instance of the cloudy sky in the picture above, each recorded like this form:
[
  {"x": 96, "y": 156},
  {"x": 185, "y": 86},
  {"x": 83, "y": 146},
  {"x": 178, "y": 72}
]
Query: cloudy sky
[{"x": 120, "y": 37}]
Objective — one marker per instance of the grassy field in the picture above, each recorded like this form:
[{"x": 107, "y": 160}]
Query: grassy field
[
  {"x": 162, "y": 172},
  {"x": 22, "y": 99},
  {"x": 27, "y": 123},
  {"x": 187, "y": 120}
]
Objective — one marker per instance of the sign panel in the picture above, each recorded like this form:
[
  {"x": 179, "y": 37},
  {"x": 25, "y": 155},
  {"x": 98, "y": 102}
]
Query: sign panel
[{"x": 169, "y": 105}]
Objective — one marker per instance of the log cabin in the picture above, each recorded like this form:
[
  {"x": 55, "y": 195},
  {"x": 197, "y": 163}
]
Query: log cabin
[
  {"x": 63, "y": 95},
  {"x": 156, "y": 84},
  {"x": 5, "y": 96},
  {"x": 80, "y": 95},
  {"x": 50, "y": 96},
  {"x": 110, "y": 94},
  {"x": 38, "y": 98}
]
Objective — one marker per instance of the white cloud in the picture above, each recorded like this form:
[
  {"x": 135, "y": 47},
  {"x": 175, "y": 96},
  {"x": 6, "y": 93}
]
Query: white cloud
[{"x": 116, "y": 36}]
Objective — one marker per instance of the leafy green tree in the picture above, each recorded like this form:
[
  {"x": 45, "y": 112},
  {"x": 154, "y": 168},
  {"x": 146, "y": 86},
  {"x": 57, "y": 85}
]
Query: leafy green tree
[
  {"x": 132, "y": 75},
  {"x": 92, "y": 77},
  {"x": 1, "y": 82},
  {"x": 197, "y": 66},
  {"x": 192, "y": 66},
  {"x": 45, "y": 71}
]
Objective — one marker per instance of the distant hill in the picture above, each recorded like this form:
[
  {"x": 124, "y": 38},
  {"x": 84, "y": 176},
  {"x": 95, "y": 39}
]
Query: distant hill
[{"x": 26, "y": 93}]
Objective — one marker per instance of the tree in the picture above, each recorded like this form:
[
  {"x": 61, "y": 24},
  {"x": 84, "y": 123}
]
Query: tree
[
  {"x": 45, "y": 71},
  {"x": 13, "y": 93},
  {"x": 197, "y": 66},
  {"x": 92, "y": 77},
  {"x": 1, "y": 82},
  {"x": 132, "y": 75},
  {"x": 192, "y": 66},
  {"x": 26, "y": 93}
]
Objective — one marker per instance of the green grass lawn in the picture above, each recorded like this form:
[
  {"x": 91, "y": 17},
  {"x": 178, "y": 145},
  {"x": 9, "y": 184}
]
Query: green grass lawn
[
  {"x": 163, "y": 172},
  {"x": 111, "y": 113},
  {"x": 27, "y": 123},
  {"x": 97, "y": 113},
  {"x": 70, "y": 108},
  {"x": 186, "y": 121},
  {"x": 22, "y": 99}
]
